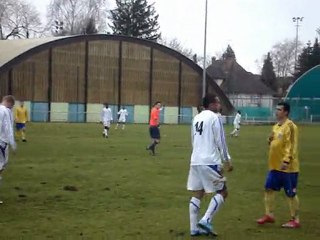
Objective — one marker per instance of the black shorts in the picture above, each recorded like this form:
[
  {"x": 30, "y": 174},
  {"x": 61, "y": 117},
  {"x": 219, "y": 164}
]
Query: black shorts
[{"x": 154, "y": 132}]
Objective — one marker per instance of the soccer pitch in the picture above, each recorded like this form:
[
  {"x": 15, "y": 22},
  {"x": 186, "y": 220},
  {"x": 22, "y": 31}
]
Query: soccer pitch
[{"x": 119, "y": 191}]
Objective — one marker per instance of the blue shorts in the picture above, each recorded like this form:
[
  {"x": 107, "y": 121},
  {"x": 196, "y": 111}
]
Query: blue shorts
[
  {"x": 20, "y": 126},
  {"x": 277, "y": 180},
  {"x": 154, "y": 132}
]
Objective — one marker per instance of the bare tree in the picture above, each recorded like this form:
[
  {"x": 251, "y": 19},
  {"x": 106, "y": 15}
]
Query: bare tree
[
  {"x": 283, "y": 57},
  {"x": 175, "y": 44},
  {"x": 71, "y": 17},
  {"x": 18, "y": 19}
]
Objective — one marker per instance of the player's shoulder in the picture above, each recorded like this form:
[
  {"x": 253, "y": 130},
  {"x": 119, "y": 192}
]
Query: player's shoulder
[{"x": 206, "y": 115}]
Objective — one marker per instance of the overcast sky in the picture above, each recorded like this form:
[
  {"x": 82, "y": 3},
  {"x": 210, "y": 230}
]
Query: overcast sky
[{"x": 251, "y": 27}]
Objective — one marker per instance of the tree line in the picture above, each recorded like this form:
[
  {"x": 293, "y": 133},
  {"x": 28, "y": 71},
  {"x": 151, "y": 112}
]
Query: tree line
[{"x": 138, "y": 18}]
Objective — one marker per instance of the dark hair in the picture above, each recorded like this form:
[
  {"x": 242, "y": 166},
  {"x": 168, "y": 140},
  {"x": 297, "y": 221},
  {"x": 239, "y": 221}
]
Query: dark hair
[
  {"x": 156, "y": 103},
  {"x": 199, "y": 108},
  {"x": 286, "y": 106},
  {"x": 239, "y": 112},
  {"x": 106, "y": 105},
  {"x": 209, "y": 98}
]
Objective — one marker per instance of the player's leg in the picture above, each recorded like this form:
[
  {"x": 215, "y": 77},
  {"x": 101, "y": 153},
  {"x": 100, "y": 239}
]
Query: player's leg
[
  {"x": 117, "y": 125},
  {"x": 237, "y": 132},
  {"x": 123, "y": 125},
  {"x": 155, "y": 138},
  {"x": 4, "y": 157},
  {"x": 106, "y": 128},
  {"x": 273, "y": 183},
  {"x": 195, "y": 186},
  {"x": 213, "y": 181},
  {"x": 18, "y": 132},
  {"x": 23, "y": 133},
  {"x": 234, "y": 130},
  {"x": 290, "y": 188}
]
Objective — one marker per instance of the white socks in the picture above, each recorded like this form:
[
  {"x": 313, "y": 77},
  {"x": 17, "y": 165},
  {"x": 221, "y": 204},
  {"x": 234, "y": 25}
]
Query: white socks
[
  {"x": 215, "y": 204},
  {"x": 194, "y": 208}
]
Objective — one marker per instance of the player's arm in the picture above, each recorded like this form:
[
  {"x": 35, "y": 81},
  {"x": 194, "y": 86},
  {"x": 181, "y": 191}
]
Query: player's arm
[
  {"x": 15, "y": 114},
  {"x": 1, "y": 119},
  {"x": 287, "y": 147},
  {"x": 192, "y": 133},
  {"x": 218, "y": 137},
  {"x": 9, "y": 130}
]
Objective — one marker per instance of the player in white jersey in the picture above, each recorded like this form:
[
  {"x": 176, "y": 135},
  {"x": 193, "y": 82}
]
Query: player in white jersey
[
  {"x": 123, "y": 113},
  {"x": 6, "y": 131},
  {"x": 236, "y": 125},
  {"x": 205, "y": 175},
  {"x": 106, "y": 118}
]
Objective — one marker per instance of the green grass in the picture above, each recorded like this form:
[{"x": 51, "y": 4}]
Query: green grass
[{"x": 124, "y": 193}]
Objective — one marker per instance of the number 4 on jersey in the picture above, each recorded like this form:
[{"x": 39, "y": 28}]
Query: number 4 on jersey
[{"x": 199, "y": 127}]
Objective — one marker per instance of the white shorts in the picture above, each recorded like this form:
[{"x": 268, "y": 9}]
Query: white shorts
[
  {"x": 122, "y": 120},
  {"x": 205, "y": 177},
  {"x": 107, "y": 124},
  {"x": 236, "y": 126},
  {"x": 4, "y": 155}
]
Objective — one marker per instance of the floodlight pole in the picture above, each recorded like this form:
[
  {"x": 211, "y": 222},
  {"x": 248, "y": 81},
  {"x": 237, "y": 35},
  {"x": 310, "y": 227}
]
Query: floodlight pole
[
  {"x": 296, "y": 20},
  {"x": 205, "y": 51}
]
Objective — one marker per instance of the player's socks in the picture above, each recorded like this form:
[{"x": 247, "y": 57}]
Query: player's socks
[
  {"x": 194, "y": 208},
  {"x": 23, "y": 136},
  {"x": 214, "y": 206},
  {"x": 269, "y": 202},
  {"x": 294, "y": 205}
]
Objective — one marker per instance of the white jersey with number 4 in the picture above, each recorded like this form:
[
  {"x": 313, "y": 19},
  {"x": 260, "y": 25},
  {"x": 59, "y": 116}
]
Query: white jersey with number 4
[
  {"x": 123, "y": 113},
  {"x": 208, "y": 143}
]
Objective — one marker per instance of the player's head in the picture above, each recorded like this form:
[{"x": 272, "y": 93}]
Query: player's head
[
  {"x": 123, "y": 107},
  {"x": 157, "y": 105},
  {"x": 283, "y": 110},
  {"x": 21, "y": 103},
  {"x": 106, "y": 105},
  {"x": 239, "y": 112},
  {"x": 8, "y": 101},
  {"x": 211, "y": 102}
]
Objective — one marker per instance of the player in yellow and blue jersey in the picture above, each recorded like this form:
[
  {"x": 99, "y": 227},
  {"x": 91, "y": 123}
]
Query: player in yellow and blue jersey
[
  {"x": 21, "y": 118},
  {"x": 283, "y": 167}
]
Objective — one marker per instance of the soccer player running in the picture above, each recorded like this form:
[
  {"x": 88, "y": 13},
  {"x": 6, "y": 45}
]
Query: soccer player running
[
  {"x": 236, "y": 125},
  {"x": 283, "y": 167},
  {"x": 6, "y": 131},
  {"x": 123, "y": 113},
  {"x": 154, "y": 127},
  {"x": 106, "y": 118},
  {"x": 209, "y": 151},
  {"x": 21, "y": 118}
]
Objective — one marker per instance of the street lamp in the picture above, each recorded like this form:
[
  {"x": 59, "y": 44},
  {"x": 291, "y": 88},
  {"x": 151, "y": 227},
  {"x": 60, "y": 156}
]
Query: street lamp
[
  {"x": 205, "y": 51},
  {"x": 296, "y": 20}
]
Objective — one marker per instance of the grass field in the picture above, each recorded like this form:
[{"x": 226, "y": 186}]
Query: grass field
[{"x": 124, "y": 193}]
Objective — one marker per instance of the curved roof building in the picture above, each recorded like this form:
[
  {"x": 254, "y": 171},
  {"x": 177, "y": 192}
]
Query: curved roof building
[
  {"x": 93, "y": 69},
  {"x": 304, "y": 95}
]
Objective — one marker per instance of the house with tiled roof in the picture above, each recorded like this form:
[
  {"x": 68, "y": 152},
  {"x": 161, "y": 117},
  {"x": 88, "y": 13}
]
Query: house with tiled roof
[{"x": 243, "y": 88}]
